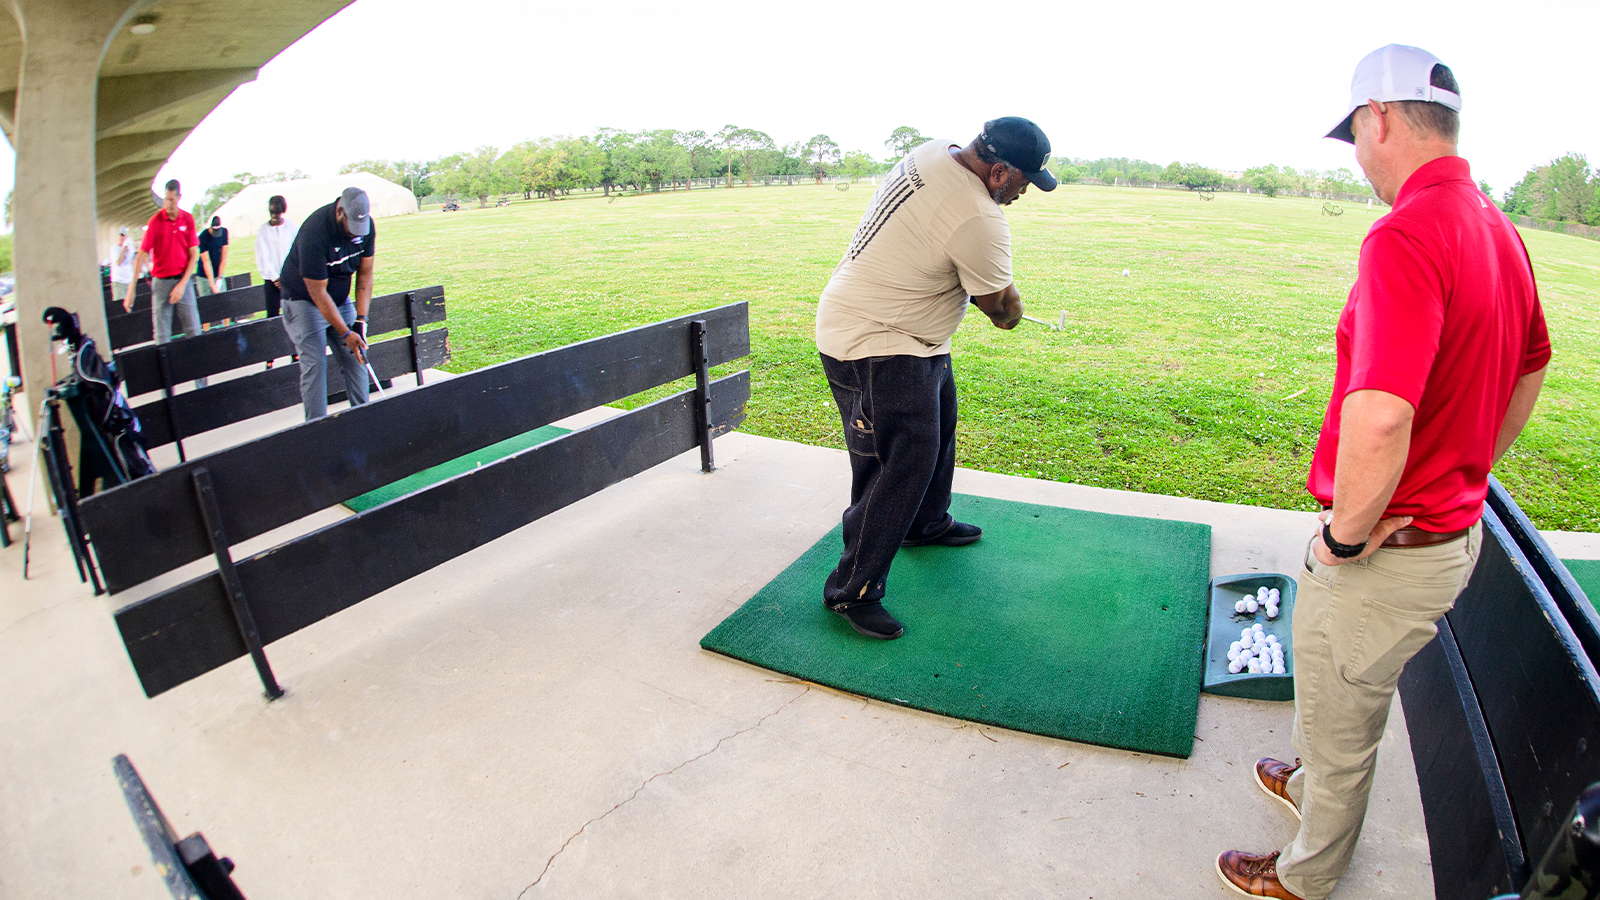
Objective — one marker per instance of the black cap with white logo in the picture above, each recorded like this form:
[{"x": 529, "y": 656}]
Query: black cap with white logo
[{"x": 1022, "y": 145}]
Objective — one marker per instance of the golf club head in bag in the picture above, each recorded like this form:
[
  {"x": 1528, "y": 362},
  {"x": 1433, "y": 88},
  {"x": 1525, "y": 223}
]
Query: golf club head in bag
[{"x": 100, "y": 388}]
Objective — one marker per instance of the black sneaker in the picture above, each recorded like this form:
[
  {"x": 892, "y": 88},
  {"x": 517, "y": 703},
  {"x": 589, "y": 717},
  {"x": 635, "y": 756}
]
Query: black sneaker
[
  {"x": 872, "y": 620},
  {"x": 956, "y": 535}
]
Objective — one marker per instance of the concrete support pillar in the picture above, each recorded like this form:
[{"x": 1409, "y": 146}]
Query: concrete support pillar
[{"x": 54, "y": 205}]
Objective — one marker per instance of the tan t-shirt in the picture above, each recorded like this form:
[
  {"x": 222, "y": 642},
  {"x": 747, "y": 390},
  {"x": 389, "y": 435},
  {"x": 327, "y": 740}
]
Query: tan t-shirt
[{"x": 931, "y": 237}]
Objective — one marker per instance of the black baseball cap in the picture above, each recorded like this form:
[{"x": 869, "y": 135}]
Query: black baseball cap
[{"x": 1020, "y": 144}]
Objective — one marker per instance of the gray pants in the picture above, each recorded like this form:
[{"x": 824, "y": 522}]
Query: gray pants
[
  {"x": 161, "y": 312},
  {"x": 314, "y": 339}
]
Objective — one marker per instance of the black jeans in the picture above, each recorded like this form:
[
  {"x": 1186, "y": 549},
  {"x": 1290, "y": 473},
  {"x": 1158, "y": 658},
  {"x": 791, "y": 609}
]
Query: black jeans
[{"x": 899, "y": 417}]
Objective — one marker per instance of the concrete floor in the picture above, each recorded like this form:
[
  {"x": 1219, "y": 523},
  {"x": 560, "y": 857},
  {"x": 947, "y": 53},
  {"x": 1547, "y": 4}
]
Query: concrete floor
[{"x": 536, "y": 719}]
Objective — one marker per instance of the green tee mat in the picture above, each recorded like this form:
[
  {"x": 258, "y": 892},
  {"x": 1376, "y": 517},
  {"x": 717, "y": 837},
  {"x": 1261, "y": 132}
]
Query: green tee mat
[
  {"x": 1587, "y": 574},
  {"x": 454, "y": 467},
  {"x": 1076, "y": 625}
]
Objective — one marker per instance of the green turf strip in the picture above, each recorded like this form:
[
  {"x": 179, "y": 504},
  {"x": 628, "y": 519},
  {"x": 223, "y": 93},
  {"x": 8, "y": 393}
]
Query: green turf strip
[
  {"x": 1587, "y": 572},
  {"x": 1070, "y": 624},
  {"x": 454, "y": 467}
]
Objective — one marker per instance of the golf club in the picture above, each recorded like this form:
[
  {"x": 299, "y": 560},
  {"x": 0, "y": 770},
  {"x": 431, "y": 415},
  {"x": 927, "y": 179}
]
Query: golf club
[
  {"x": 33, "y": 484},
  {"x": 375, "y": 382}
]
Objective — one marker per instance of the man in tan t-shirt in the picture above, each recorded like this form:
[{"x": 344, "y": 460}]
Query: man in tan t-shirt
[{"x": 932, "y": 240}]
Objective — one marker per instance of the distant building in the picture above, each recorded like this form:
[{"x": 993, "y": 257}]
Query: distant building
[{"x": 247, "y": 211}]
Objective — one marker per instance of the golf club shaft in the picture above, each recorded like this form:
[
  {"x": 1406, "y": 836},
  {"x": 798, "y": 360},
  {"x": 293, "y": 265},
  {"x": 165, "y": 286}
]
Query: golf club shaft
[
  {"x": 1032, "y": 319},
  {"x": 375, "y": 382}
]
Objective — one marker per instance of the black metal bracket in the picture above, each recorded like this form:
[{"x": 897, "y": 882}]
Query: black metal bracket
[
  {"x": 206, "y": 495},
  {"x": 411, "y": 323},
  {"x": 172, "y": 406},
  {"x": 702, "y": 393}
]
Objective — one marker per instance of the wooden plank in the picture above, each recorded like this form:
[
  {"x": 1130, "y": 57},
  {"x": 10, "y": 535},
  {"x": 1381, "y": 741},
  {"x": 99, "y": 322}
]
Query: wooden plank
[
  {"x": 1472, "y": 832},
  {"x": 384, "y": 314},
  {"x": 141, "y": 293},
  {"x": 184, "y": 632},
  {"x": 1564, "y": 589},
  {"x": 1538, "y": 689},
  {"x": 152, "y": 526},
  {"x": 238, "y": 399},
  {"x": 254, "y": 342}
]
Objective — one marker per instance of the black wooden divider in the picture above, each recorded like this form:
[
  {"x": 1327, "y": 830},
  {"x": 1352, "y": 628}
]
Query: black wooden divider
[
  {"x": 181, "y": 415},
  {"x": 129, "y": 329},
  {"x": 141, "y": 293},
  {"x": 188, "y": 867},
  {"x": 153, "y": 525},
  {"x": 1564, "y": 589},
  {"x": 1520, "y": 676}
]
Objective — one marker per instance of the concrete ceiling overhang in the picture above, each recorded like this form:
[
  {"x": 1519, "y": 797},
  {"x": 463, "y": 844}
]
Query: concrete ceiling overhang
[{"x": 154, "y": 89}]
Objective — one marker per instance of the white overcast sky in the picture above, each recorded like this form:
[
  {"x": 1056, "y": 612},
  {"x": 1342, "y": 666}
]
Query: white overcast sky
[{"x": 1228, "y": 85}]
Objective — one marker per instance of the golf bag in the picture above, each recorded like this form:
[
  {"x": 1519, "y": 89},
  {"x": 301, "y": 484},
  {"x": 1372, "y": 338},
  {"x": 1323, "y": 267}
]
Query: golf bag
[{"x": 100, "y": 401}]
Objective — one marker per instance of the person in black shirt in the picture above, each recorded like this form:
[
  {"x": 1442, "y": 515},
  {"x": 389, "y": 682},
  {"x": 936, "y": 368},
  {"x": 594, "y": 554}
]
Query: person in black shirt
[
  {"x": 213, "y": 258},
  {"x": 335, "y": 243}
]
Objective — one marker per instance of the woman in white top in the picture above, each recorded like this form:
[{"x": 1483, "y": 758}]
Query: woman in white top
[{"x": 273, "y": 241}]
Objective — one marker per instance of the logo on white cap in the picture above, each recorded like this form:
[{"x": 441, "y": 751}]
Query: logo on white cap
[{"x": 1391, "y": 73}]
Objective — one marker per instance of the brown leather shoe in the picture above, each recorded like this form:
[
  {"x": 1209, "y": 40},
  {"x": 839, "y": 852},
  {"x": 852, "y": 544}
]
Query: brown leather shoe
[
  {"x": 1252, "y": 875},
  {"x": 1273, "y": 777}
]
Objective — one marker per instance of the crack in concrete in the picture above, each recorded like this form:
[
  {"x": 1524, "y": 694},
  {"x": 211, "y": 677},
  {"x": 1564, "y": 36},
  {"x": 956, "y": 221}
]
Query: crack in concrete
[{"x": 646, "y": 783}]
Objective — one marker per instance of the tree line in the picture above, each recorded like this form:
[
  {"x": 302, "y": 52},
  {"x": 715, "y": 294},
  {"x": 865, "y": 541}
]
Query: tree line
[{"x": 1563, "y": 190}]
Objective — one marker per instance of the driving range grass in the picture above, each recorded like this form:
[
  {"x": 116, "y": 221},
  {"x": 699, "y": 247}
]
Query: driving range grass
[{"x": 1202, "y": 373}]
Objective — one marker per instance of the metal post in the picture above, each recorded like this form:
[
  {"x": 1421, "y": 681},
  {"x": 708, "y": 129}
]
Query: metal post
[
  {"x": 207, "y": 496},
  {"x": 702, "y": 392},
  {"x": 411, "y": 323},
  {"x": 172, "y": 403}
]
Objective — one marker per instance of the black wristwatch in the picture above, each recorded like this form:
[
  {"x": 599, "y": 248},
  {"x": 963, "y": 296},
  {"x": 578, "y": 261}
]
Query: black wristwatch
[{"x": 1343, "y": 551}]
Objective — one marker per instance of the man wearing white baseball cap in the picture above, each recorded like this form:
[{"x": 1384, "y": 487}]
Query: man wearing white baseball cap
[{"x": 1442, "y": 351}]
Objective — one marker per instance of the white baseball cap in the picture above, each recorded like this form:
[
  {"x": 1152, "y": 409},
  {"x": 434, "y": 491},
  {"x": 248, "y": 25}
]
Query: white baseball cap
[{"x": 1391, "y": 73}]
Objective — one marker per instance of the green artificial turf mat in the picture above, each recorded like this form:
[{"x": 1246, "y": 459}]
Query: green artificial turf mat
[
  {"x": 1076, "y": 625},
  {"x": 454, "y": 467},
  {"x": 1587, "y": 572}
]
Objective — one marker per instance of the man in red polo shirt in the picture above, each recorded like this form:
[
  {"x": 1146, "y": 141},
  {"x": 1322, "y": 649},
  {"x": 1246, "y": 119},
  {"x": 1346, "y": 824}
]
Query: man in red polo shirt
[
  {"x": 1442, "y": 351},
  {"x": 172, "y": 246}
]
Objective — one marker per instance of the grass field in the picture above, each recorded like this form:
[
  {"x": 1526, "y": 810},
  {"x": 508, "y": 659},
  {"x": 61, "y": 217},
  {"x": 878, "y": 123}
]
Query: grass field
[{"x": 1203, "y": 373}]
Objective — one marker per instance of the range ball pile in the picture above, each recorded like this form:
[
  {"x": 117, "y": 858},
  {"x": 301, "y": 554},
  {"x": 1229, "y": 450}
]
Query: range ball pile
[
  {"x": 1265, "y": 598},
  {"x": 1256, "y": 651}
]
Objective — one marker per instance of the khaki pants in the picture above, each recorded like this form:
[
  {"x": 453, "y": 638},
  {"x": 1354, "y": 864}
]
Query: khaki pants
[{"x": 1355, "y": 627}]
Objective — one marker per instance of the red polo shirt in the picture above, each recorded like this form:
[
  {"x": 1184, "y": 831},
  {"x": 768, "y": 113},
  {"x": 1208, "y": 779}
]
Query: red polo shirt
[
  {"x": 168, "y": 242},
  {"x": 1444, "y": 314}
]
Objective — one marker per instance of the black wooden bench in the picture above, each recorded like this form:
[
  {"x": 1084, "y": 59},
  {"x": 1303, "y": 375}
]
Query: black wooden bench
[
  {"x": 202, "y": 508},
  {"x": 1503, "y": 710},
  {"x": 241, "y": 298},
  {"x": 162, "y": 367}
]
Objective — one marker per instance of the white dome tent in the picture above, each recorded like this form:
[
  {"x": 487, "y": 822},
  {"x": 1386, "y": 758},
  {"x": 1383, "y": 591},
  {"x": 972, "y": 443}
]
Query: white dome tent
[{"x": 247, "y": 211}]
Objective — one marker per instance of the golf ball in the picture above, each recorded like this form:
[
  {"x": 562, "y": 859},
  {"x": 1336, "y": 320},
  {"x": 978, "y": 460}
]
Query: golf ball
[
  {"x": 1253, "y": 667},
  {"x": 1235, "y": 668},
  {"x": 1126, "y": 273},
  {"x": 1278, "y": 669},
  {"x": 1239, "y": 607},
  {"x": 1262, "y": 592},
  {"x": 1251, "y": 606},
  {"x": 1256, "y": 628},
  {"x": 1272, "y": 639}
]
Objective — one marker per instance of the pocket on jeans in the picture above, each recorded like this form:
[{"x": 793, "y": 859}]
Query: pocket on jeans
[
  {"x": 1384, "y": 640},
  {"x": 1313, "y": 568},
  {"x": 858, "y": 434}
]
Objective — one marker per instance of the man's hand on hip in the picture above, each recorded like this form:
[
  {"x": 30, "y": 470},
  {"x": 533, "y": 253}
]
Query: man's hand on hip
[
  {"x": 177, "y": 293},
  {"x": 1380, "y": 533}
]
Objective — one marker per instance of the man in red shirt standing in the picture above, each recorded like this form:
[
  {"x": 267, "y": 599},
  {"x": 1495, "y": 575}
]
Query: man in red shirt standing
[
  {"x": 172, "y": 246},
  {"x": 1442, "y": 351}
]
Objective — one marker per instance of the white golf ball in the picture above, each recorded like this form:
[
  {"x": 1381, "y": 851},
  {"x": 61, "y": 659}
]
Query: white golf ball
[
  {"x": 1272, "y": 639},
  {"x": 1239, "y": 607},
  {"x": 1262, "y": 592},
  {"x": 1274, "y": 594},
  {"x": 1253, "y": 667},
  {"x": 1235, "y": 668},
  {"x": 1278, "y": 669},
  {"x": 1126, "y": 273},
  {"x": 1250, "y": 606},
  {"x": 1256, "y": 628},
  {"x": 1244, "y": 633}
]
